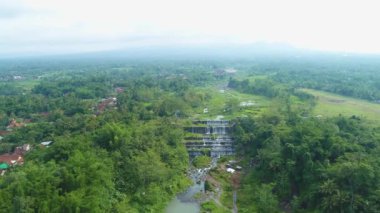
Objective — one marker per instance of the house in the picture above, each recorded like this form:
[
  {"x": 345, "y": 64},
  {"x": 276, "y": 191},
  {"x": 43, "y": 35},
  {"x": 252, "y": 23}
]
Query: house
[
  {"x": 14, "y": 124},
  {"x": 119, "y": 90},
  {"x": 46, "y": 143},
  {"x": 219, "y": 73},
  {"x": 12, "y": 159},
  {"x": 109, "y": 102},
  {"x": 230, "y": 70},
  {"x": 17, "y": 77},
  {"x": 230, "y": 170},
  {"x": 21, "y": 150}
]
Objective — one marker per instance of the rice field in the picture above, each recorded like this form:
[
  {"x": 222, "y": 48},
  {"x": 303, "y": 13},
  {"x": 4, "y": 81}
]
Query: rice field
[{"x": 329, "y": 104}]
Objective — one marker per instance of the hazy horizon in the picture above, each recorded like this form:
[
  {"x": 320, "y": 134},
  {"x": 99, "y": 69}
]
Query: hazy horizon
[{"x": 41, "y": 27}]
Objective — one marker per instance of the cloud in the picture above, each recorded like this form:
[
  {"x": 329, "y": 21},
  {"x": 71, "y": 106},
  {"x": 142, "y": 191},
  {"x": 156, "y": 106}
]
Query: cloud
[
  {"x": 71, "y": 24},
  {"x": 9, "y": 13},
  {"x": 12, "y": 9}
]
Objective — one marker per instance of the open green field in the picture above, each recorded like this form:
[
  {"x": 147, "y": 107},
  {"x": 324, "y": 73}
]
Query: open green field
[
  {"x": 227, "y": 103},
  {"x": 26, "y": 84},
  {"x": 330, "y": 104}
]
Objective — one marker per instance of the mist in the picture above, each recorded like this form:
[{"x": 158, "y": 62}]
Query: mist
[{"x": 42, "y": 27}]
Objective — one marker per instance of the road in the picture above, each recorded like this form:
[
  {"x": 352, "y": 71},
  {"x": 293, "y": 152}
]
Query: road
[{"x": 235, "y": 209}]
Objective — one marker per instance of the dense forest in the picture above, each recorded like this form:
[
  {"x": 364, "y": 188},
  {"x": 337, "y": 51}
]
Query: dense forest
[
  {"x": 127, "y": 159},
  {"x": 329, "y": 165},
  {"x": 355, "y": 76},
  {"x": 117, "y": 131}
]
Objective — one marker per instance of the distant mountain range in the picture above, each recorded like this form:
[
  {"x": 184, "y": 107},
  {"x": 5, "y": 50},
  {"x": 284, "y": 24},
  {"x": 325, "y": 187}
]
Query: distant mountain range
[{"x": 210, "y": 51}]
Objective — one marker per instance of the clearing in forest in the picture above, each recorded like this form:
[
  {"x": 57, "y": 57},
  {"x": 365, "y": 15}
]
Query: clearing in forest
[
  {"x": 329, "y": 104},
  {"x": 229, "y": 103}
]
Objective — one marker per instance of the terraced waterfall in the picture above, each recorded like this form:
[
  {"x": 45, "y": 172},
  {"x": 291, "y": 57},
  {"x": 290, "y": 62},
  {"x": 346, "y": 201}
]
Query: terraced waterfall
[
  {"x": 208, "y": 137},
  {"x": 211, "y": 137}
]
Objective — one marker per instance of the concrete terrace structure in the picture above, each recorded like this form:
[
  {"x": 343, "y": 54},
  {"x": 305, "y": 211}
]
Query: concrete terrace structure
[{"x": 212, "y": 136}]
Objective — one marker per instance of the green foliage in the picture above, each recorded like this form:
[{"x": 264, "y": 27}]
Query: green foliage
[
  {"x": 264, "y": 199},
  {"x": 9, "y": 89},
  {"x": 311, "y": 163},
  {"x": 211, "y": 206},
  {"x": 263, "y": 87},
  {"x": 202, "y": 161},
  {"x": 132, "y": 159},
  {"x": 208, "y": 186},
  {"x": 343, "y": 77},
  {"x": 329, "y": 105},
  {"x": 171, "y": 106},
  {"x": 111, "y": 162},
  {"x": 79, "y": 184},
  {"x": 122, "y": 167}
]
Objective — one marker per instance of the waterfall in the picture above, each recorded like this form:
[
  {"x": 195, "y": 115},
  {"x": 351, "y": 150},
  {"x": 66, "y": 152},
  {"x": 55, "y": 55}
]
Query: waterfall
[{"x": 214, "y": 136}]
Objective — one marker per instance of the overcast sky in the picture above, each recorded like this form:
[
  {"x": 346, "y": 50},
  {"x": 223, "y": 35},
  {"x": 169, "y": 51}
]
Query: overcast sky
[{"x": 40, "y": 26}]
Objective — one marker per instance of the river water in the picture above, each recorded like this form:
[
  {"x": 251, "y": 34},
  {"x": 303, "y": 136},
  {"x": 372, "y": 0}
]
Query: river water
[
  {"x": 176, "y": 206},
  {"x": 185, "y": 202}
]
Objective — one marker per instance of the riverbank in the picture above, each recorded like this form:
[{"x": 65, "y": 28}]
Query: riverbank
[{"x": 190, "y": 200}]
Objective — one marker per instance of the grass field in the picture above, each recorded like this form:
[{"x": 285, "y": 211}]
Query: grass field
[
  {"x": 219, "y": 101},
  {"x": 330, "y": 104},
  {"x": 26, "y": 84}
]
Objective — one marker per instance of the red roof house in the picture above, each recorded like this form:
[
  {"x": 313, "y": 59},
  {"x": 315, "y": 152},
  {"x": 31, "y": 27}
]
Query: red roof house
[
  {"x": 14, "y": 124},
  {"x": 12, "y": 159}
]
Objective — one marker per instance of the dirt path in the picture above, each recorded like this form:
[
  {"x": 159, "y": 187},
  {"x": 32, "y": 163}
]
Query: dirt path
[
  {"x": 218, "y": 190},
  {"x": 216, "y": 198},
  {"x": 235, "y": 209},
  {"x": 235, "y": 184}
]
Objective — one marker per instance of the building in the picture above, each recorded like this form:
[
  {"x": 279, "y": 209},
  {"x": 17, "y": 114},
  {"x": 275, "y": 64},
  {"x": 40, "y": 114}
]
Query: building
[
  {"x": 9, "y": 160},
  {"x": 119, "y": 90},
  {"x": 21, "y": 150},
  {"x": 12, "y": 159},
  {"x": 46, "y": 143},
  {"x": 219, "y": 73},
  {"x": 3, "y": 168},
  {"x": 230, "y": 71},
  {"x": 17, "y": 77},
  {"x": 230, "y": 170},
  {"x": 14, "y": 124},
  {"x": 105, "y": 103}
]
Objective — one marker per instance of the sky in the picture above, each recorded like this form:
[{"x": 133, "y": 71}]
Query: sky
[{"x": 71, "y": 26}]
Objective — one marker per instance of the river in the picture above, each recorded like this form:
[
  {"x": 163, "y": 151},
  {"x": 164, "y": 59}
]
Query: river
[{"x": 185, "y": 202}]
